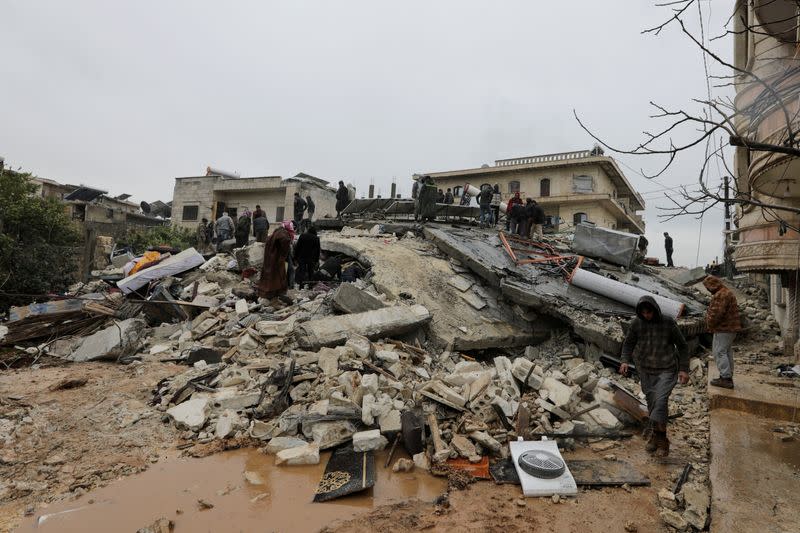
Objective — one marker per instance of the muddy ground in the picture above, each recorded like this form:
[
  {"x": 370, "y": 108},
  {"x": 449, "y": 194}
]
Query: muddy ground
[{"x": 60, "y": 444}]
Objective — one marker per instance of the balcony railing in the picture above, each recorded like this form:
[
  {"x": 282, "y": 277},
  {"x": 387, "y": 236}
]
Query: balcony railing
[{"x": 543, "y": 158}]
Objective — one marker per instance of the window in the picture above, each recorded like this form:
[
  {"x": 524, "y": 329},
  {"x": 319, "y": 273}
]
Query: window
[
  {"x": 109, "y": 213},
  {"x": 279, "y": 213},
  {"x": 190, "y": 212},
  {"x": 577, "y": 218},
  {"x": 544, "y": 187},
  {"x": 457, "y": 191},
  {"x": 550, "y": 221},
  {"x": 582, "y": 184},
  {"x": 513, "y": 186}
]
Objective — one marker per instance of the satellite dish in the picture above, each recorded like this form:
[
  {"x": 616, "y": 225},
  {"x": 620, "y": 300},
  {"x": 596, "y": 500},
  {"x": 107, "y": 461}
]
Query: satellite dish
[
  {"x": 484, "y": 165},
  {"x": 145, "y": 207}
]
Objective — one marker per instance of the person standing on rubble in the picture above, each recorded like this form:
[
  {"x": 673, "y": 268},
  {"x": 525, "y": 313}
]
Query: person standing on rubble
[
  {"x": 448, "y": 196},
  {"x": 496, "y": 199},
  {"x": 299, "y": 208},
  {"x": 342, "y": 199},
  {"x": 517, "y": 218},
  {"x": 306, "y": 255},
  {"x": 722, "y": 319},
  {"x": 511, "y": 203},
  {"x": 668, "y": 249},
  {"x": 203, "y": 238},
  {"x": 536, "y": 221},
  {"x": 311, "y": 209},
  {"x": 260, "y": 225},
  {"x": 661, "y": 354},
  {"x": 224, "y": 227},
  {"x": 243, "y": 229},
  {"x": 485, "y": 204},
  {"x": 427, "y": 199},
  {"x": 274, "y": 282}
]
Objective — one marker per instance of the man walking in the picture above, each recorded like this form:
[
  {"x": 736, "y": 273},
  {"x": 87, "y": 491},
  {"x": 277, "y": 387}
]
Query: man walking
[
  {"x": 224, "y": 227},
  {"x": 722, "y": 319},
  {"x": 668, "y": 248},
  {"x": 660, "y": 352}
]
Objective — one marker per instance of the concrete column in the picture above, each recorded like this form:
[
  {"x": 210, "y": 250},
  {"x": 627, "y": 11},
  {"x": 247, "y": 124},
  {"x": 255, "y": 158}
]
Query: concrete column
[{"x": 792, "y": 325}]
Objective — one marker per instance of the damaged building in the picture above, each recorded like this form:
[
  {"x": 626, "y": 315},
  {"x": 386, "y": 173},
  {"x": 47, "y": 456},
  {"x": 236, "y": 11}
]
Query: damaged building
[
  {"x": 571, "y": 187},
  {"x": 198, "y": 197}
]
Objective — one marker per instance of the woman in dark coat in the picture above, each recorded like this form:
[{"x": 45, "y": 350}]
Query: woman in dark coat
[
  {"x": 273, "y": 280},
  {"x": 242, "y": 230}
]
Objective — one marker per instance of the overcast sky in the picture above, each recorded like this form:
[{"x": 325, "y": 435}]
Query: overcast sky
[{"x": 127, "y": 96}]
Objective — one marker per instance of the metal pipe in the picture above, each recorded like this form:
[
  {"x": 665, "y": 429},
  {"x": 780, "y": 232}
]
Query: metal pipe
[
  {"x": 475, "y": 191},
  {"x": 622, "y": 292}
]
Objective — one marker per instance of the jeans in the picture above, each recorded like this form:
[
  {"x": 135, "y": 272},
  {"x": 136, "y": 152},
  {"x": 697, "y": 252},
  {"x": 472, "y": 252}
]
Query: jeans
[
  {"x": 657, "y": 386},
  {"x": 486, "y": 214},
  {"x": 722, "y": 348},
  {"x": 669, "y": 259}
]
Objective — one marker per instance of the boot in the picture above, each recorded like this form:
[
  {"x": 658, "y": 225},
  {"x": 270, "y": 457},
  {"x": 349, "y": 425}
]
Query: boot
[
  {"x": 650, "y": 436},
  {"x": 726, "y": 383},
  {"x": 662, "y": 442}
]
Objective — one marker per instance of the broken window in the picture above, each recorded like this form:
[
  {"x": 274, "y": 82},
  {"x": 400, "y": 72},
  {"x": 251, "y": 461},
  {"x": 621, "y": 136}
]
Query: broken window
[
  {"x": 513, "y": 186},
  {"x": 109, "y": 213},
  {"x": 582, "y": 184},
  {"x": 457, "y": 190},
  {"x": 279, "y": 213},
  {"x": 577, "y": 218},
  {"x": 190, "y": 212},
  {"x": 544, "y": 187}
]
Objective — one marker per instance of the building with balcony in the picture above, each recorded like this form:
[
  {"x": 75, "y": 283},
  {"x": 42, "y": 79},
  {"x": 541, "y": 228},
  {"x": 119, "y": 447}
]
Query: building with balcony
[
  {"x": 571, "y": 187},
  {"x": 766, "y": 241},
  {"x": 198, "y": 197}
]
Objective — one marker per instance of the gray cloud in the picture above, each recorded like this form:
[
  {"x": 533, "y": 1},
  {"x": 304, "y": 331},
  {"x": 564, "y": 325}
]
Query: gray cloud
[{"x": 129, "y": 95}]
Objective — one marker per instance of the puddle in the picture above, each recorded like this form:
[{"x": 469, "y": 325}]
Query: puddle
[{"x": 177, "y": 484}]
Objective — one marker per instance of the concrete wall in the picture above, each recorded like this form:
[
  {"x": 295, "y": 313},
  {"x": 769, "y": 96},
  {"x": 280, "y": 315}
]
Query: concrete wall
[{"x": 197, "y": 191}]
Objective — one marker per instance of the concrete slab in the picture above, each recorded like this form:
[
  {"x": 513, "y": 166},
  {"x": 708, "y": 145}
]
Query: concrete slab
[
  {"x": 752, "y": 394},
  {"x": 350, "y": 299},
  {"x": 753, "y": 475}
]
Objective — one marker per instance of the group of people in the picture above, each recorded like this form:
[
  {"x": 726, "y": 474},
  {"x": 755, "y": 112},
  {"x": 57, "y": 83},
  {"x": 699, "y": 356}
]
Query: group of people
[{"x": 656, "y": 347}]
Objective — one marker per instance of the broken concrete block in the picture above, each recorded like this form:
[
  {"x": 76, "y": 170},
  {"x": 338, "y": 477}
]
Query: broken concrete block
[
  {"x": 580, "y": 373},
  {"x": 673, "y": 519},
  {"x": 160, "y": 349},
  {"x": 696, "y": 501},
  {"x": 329, "y": 434},
  {"x": 278, "y": 444},
  {"x": 227, "y": 424},
  {"x": 250, "y": 256},
  {"x": 190, "y": 414},
  {"x": 558, "y": 393},
  {"x": 275, "y": 328},
  {"x": 241, "y": 308},
  {"x": 370, "y": 382},
  {"x": 307, "y": 454},
  {"x": 460, "y": 282},
  {"x": 386, "y": 322},
  {"x": 365, "y": 441},
  {"x": 247, "y": 343},
  {"x": 421, "y": 461},
  {"x": 473, "y": 299},
  {"x": 328, "y": 362},
  {"x": 486, "y": 440},
  {"x": 524, "y": 370},
  {"x": 397, "y": 370},
  {"x": 350, "y": 299},
  {"x": 465, "y": 448},
  {"x": 604, "y": 418},
  {"x": 349, "y": 380},
  {"x": 230, "y": 398},
  {"x": 360, "y": 345},
  {"x": 390, "y": 422},
  {"x": 403, "y": 465},
  {"x": 387, "y": 356},
  {"x": 550, "y": 408},
  {"x": 478, "y": 386},
  {"x": 443, "y": 391},
  {"x": 121, "y": 338},
  {"x": 208, "y": 288},
  {"x": 204, "y": 327},
  {"x": 667, "y": 499}
]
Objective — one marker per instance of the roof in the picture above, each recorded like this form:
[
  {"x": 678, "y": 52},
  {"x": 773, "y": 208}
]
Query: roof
[
  {"x": 308, "y": 178},
  {"x": 85, "y": 194},
  {"x": 517, "y": 164}
]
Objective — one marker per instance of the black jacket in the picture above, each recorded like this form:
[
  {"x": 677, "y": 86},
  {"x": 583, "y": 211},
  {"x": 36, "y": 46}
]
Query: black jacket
[
  {"x": 299, "y": 207},
  {"x": 668, "y": 243},
  {"x": 306, "y": 251}
]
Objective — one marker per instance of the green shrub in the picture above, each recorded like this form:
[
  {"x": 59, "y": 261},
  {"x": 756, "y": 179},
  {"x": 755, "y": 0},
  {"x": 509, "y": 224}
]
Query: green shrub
[{"x": 142, "y": 238}]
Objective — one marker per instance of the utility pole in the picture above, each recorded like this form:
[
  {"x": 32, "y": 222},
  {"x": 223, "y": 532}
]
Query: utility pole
[{"x": 727, "y": 232}]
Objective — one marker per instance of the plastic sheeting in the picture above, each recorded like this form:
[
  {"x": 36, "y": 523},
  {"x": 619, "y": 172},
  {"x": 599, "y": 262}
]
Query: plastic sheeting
[
  {"x": 171, "y": 266},
  {"x": 616, "y": 247}
]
